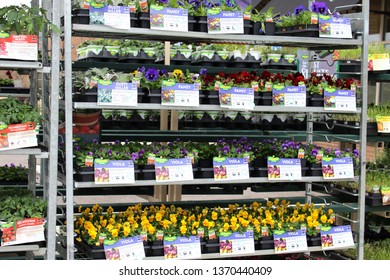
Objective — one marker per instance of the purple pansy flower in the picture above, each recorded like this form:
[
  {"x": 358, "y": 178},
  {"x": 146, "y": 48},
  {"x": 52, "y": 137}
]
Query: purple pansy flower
[
  {"x": 299, "y": 10},
  {"x": 151, "y": 74},
  {"x": 319, "y": 7}
]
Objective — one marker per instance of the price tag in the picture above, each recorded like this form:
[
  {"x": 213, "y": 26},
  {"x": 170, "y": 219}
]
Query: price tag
[
  {"x": 168, "y": 18},
  {"x": 131, "y": 248},
  {"x": 118, "y": 94},
  {"x": 225, "y": 22},
  {"x": 383, "y": 123},
  {"x": 182, "y": 247},
  {"x": 172, "y": 170},
  {"x": 284, "y": 169},
  {"x": 290, "y": 242},
  {"x": 331, "y": 27},
  {"x": 114, "y": 171},
  {"x": 289, "y": 96},
  {"x": 20, "y": 47},
  {"x": 378, "y": 62},
  {"x": 179, "y": 94},
  {"x": 22, "y": 231},
  {"x": 236, "y": 243},
  {"x": 236, "y": 98},
  {"x": 337, "y": 168},
  {"x": 336, "y": 237},
  {"x": 344, "y": 100},
  {"x": 112, "y": 16},
  {"x": 230, "y": 168}
]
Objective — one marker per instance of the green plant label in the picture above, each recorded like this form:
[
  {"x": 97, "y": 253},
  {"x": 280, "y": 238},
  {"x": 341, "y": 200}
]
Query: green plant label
[
  {"x": 104, "y": 82},
  {"x": 170, "y": 238},
  {"x": 227, "y": 233},
  {"x": 4, "y": 35},
  {"x": 301, "y": 153},
  {"x": 219, "y": 159},
  {"x": 279, "y": 232},
  {"x": 268, "y": 86},
  {"x": 97, "y": 5},
  {"x": 214, "y": 11},
  {"x": 161, "y": 160},
  {"x": 157, "y": 7},
  {"x": 3, "y": 126},
  {"x": 273, "y": 159},
  {"x": 264, "y": 231},
  {"x": 168, "y": 83},
  {"x": 212, "y": 234},
  {"x": 101, "y": 161}
]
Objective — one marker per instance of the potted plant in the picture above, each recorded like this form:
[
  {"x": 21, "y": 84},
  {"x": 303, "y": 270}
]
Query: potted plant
[
  {"x": 269, "y": 23},
  {"x": 181, "y": 54},
  {"x": 13, "y": 175},
  {"x": 374, "y": 181}
]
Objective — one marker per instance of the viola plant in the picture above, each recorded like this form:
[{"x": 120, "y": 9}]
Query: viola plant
[
  {"x": 13, "y": 173},
  {"x": 94, "y": 225}
]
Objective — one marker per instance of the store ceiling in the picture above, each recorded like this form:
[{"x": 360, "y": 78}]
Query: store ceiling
[{"x": 285, "y": 6}]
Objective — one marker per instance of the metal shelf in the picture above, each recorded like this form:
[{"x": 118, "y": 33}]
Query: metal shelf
[
  {"x": 26, "y": 151},
  {"x": 14, "y": 64},
  {"x": 3, "y": 94},
  {"x": 19, "y": 248},
  {"x": 259, "y": 109},
  {"x": 210, "y": 181},
  {"x": 84, "y": 30}
]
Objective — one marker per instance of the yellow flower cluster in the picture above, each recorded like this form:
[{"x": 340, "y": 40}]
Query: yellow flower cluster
[{"x": 94, "y": 225}]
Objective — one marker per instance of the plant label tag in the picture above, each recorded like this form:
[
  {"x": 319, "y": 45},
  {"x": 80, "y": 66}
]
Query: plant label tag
[
  {"x": 132, "y": 7},
  {"x": 88, "y": 161},
  {"x": 131, "y": 248},
  {"x": 331, "y": 27},
  {"x": 341, "y": 100},
  {"x": 113, "y": 16},
  {"x": 144, "y": 6},
  {"x": 19, "y": 47},
  {"x": 230, "y": 168},
  {"x": 236, "y": 98},
  {"x": 337, "y": 168},
  {"x": 114, "y": 171},
  {"x": 378, "y": 62},
  {"x": 314, "y": 18},
  {"x": 173, "y": 170},
  {"x": 171, "y": 19},
  {"x": 23, "y": 231},
  {"x": 336, "y": 237},
  {"x": 225, "y": 22},
  {"x": 284, "y": 169},
  {"x": 301, "y": 153},
  {"x": 236, "y": 243},
  {"x": 290, "y": 242},
  {"x": 383, "y": 123},
  {"x": 15, "y": 136},
  {"x": 289, "y": 96},
  {"x": 117, "y": 94},
  {"x": 179, "y": 94},
  {"x": 182, "y": 247}
]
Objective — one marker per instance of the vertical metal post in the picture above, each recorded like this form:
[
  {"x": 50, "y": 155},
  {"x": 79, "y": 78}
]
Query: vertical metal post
[
  {"x": 53, "y": 148},
  {"x": 68, "y": 128},
  {"x": 363, "y": 130}
]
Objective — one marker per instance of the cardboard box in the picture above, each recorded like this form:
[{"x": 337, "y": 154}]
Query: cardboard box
[{"x": 17, "y": 136}]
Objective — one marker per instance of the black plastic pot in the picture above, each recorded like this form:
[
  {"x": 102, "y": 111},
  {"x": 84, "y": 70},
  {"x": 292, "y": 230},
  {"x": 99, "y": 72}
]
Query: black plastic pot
[
  {"x": 374, "y": 199},
  {"x": 211, "y": 246},
  {"x": 266, "y": 98},
  {"x": 247, "y": 26},
  {"x": 192, "y": 23},
  {"x": 316, "y": 100},
  {"x": 266, "y": 242},
  {"x": 144, "y": 20},
  {"x": 256, "y": 27},
  {"x": 372, "y": 129},
  {"x": 313, "y": 240},
  {"x": 148, "y": 172},
  {"x": 315, "y": 169},
  {"x": 133, "y": 20},
  {"x": 270, "y": 28},
  {"x": 202, "y": 24},
  {"x": 305, "y": 30}
]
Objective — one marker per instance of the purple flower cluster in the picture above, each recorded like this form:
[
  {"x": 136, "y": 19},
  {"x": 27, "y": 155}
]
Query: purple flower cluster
[
  {"x": 299, "y": 10},
  {"x": 151, "y": 74},
  {"x": 319, "y": 7}
]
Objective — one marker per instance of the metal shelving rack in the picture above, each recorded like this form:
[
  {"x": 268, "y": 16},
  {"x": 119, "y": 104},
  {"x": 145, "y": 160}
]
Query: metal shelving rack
[
  {"x": 175, "y": 190},
  {"x": 46, "y": 151}
]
